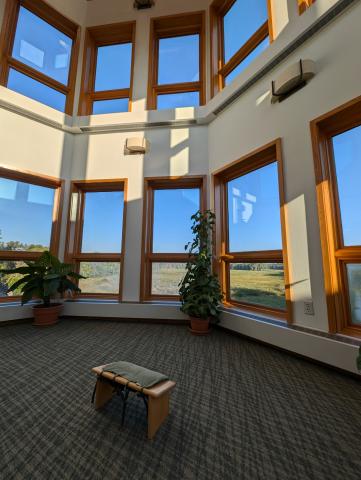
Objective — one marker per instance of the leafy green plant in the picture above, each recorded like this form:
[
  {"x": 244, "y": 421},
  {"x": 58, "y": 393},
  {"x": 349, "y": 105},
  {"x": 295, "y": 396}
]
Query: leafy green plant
[
  {"x": 358, "y": 360},
  {"x": 44, "y": 279},
  {"x": 200, "y": 291}
]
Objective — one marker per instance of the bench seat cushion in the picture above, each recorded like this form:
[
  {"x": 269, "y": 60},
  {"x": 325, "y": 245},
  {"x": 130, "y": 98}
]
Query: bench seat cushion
[{"x": 141, "y": 376}]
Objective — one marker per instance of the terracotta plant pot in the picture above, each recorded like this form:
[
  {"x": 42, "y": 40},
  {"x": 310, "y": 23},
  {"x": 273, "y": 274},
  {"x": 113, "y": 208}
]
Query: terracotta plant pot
[
  {"x": 45, "y": 316},
  {"x": 199, "y": 326}
]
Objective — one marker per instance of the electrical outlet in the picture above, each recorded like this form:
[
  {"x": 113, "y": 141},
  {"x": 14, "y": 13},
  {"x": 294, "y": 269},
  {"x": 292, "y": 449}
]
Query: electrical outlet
[{"x": 308, "y": 307}]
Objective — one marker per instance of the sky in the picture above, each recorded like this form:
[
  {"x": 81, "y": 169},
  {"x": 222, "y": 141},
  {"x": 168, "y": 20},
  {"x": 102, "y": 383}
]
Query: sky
[
  {"x": 241, "y": 22},
  {"x": 103, "y": 222},
  {"x": 254, "y": 211},
  {"x": 173, "y": 209},
  {"x": 26, "y": 212},
  {"x": 113, "y": 67},
  {"x": 347, "y": 154}
]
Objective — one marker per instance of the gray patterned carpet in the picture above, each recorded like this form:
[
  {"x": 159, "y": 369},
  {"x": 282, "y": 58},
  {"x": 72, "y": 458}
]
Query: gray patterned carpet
[{"x": 239, "y": 411}]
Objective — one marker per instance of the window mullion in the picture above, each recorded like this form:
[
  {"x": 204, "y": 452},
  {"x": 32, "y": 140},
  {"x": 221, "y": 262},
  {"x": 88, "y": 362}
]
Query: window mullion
[{"x": 40, "y": 77}]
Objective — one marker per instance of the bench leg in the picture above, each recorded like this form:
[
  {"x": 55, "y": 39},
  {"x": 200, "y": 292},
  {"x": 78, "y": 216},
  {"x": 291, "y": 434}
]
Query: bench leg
[
  {"x": 103, "y": 393},
  {"x": 158, "y": 410}
]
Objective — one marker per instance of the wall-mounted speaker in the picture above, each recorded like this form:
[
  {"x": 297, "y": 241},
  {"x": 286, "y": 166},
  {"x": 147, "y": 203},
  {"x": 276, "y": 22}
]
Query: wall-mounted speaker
[
  {"x": 136, "y": 145},
  {"x": 142, "y": 4},
  {"x": 292, "y": 79}
]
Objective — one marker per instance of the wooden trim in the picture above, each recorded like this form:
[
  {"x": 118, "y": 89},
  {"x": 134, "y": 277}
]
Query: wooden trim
[
  {"x": 57, "y": 20},
  {"x": 334, "y": 254},
  {"x": 303, "y": 5},
  {"x": 259, "y": 158},
  {"x": 219, "y": 68},
  {"x": 43, "y": 181},
  {"x": 73, "y": 252},
  {"x": 99, "y": 36},
  {"x": 148, "y": 257},
  {"x": 172, "y": 26}
]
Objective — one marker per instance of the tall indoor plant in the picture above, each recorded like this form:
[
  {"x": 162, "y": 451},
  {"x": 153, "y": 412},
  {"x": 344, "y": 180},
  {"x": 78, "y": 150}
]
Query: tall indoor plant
[
  {"x": 45, "y": 279},
  {"x": 200, "y": 291}
]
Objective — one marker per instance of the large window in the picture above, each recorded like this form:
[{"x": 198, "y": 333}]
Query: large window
[
  {"x": 250, "y": 233},
  {"x": 96, "y": 235},
  {"x": 39, "y": 53},
  {"x": 168, "y": 207},
  {"x": 30, "y": 208},
  {"x": 240, "y": 31},
  {"x": 337, "y": 150},
  {"x": 107, "y": 80},
  {"x": 176, "y": 64}
]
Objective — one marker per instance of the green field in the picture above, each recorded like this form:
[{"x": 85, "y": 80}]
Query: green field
[
  {"x": 166, "y": 277},
  {"x": 259, "y": 287},
  {"x": 256, "y": 286},
  {"x": 102, "y": 277}
]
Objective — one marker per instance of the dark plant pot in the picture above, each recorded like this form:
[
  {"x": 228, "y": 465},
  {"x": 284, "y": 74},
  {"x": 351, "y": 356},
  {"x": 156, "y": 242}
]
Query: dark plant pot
[
  {"x": 45, "y": 316},
  {"x": 199, "y": 326}
]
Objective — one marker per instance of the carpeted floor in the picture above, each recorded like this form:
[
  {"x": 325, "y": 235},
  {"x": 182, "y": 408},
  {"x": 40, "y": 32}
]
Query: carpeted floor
[{"x": 240, "y": 410}]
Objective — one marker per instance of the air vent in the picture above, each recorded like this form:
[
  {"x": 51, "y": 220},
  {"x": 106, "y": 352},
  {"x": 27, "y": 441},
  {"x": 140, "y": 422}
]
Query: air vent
[{"x": 142, "y": 4}]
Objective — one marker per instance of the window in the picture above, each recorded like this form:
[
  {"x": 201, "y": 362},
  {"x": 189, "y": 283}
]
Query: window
[
  {"x": 337, "y": 151},
  {"x": 95, "y": 240},
  {"x": 250, "y": 238},
  {"x": 168, "y": 202},
  {"x": 39, "y": 54},
  {"x": 179, "y": 83},
  {"x": 107, "y": 80},
  {"x": 304, "y": 4},
  {"x": 30, "y": 208},
  {"x": 240, "y": 31}
]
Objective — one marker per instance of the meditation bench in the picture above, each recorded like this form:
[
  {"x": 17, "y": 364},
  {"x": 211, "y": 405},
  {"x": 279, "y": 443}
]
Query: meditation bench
[{"x": 128, "y": 381}]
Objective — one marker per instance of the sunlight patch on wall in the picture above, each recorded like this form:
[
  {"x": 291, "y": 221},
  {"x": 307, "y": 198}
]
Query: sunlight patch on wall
[
  {"x": 179, "y": 159},
  {"x": 298, "y": 249}
]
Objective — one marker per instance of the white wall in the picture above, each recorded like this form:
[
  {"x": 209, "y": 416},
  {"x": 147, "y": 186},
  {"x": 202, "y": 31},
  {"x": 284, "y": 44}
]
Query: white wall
[{"x": 33, "y": 144}]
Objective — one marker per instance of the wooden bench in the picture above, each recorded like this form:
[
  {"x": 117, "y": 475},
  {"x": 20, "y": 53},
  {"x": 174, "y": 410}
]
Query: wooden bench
[{"x": 156, "y": 399}]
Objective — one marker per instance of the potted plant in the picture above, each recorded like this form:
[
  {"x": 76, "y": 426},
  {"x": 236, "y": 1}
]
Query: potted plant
[
  {"x": 200, "y": 291},
  {"x": 45, "y": 278}
]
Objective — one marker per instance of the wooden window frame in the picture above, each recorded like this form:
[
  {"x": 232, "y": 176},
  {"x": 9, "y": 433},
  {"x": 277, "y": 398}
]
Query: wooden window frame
[
  {"x": 303, "y": 5},
  {"x": 53, "y": 18},
  {"x": 334, "y": 253},
  {"x": 102, "y": 36},
  {"x": 148, "y": 257},
  {"x": 175, "y": 26},
  {"x": 42, "y": 181},
  {"x": 75, "y": 229},
  {"x": 219, "y": 68},
  {"x": 257, "y": 159}
]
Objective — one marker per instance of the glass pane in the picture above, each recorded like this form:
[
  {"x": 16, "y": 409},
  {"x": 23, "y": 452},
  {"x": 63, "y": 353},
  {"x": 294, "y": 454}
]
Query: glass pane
[
  {"x": 354, "y": 286},
  {"x": 247, "y": 61},
  {"x": 178, "y": 60},
  {"x": 42, "y": 46},
  {"x": 7, "y": 280},
  {"x": 37, "y": 91},
  {"x": 258, "y": 283},
  {"x": 26, "y": 216},
  {"x": 172, "y": 223},
  {"x": 103, "y": 222},
  {"x": 113, "y": 67},
  {"x": 347, "y": 153},
  {"x": 110, "y": 106},
  {"x": 178, "y": 100},
  {"x": 166, "y": 278},
  {"x": 102, "y": 277},
  {"x": 254, "y": 211},
  {"x": 241, "y": 22}
]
